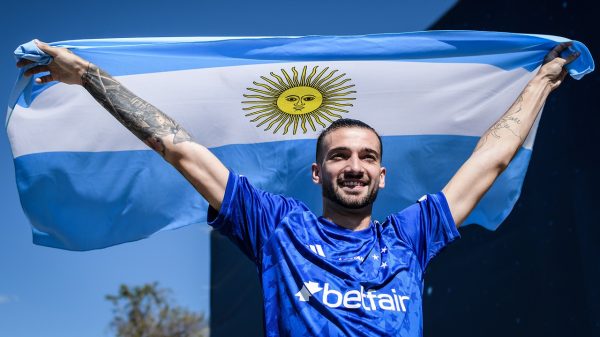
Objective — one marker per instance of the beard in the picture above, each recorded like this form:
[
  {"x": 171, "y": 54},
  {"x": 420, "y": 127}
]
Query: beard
[{"x": 352, "y": 202}]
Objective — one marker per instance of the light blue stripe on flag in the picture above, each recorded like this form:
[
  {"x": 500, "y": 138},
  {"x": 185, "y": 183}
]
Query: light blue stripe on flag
[{"x": 85, "y": 182}]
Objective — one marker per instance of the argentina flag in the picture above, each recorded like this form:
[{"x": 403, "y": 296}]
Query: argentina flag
[{"x": 85, "y": 182}]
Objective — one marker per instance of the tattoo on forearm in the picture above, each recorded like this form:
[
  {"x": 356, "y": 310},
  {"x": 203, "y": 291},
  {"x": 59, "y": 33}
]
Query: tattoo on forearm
[
  {"x": 509, "y": 122},
  {"x": 142, "y": 118}
]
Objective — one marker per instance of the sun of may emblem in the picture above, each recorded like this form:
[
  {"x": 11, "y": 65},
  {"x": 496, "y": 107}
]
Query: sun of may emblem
[{"x": 284, "y": 103}]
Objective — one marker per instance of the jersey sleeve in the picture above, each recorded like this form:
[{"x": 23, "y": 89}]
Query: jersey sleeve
[
  {"x": 426, "y": 227},
  {"x": 249, "y": 215}
]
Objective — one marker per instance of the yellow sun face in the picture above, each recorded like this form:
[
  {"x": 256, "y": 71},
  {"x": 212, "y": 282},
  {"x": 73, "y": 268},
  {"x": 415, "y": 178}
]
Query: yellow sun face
[
  {"x": 299, "y": 100},
  {"x": 288, "y": 102}
]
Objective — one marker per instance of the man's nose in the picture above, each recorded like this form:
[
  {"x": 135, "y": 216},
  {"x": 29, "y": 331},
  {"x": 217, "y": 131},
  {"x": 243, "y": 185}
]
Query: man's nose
[{"x": 354, "y": 165}]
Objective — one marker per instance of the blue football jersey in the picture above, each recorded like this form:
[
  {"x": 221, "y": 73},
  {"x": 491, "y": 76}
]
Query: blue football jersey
[{"x": 320, "y": 279}]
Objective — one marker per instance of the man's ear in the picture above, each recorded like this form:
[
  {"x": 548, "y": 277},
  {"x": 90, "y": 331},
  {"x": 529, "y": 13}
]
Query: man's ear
[
  {"x": 382, "y": 177},
  {"x": 316, "y": 173}
]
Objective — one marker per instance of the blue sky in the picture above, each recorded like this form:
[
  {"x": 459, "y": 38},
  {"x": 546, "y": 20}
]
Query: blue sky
[{"x": 50, "y": 292}]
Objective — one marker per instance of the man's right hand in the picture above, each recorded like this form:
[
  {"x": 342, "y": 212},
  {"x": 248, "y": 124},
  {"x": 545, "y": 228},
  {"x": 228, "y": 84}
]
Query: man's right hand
[{"x": 65, "y": 67}]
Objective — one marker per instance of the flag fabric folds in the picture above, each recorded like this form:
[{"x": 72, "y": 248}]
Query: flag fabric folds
[{"x": 259, "y": 103}]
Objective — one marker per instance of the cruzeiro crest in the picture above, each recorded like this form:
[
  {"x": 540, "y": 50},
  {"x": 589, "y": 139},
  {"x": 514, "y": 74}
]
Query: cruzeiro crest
[{"x": 284, "y": 102}]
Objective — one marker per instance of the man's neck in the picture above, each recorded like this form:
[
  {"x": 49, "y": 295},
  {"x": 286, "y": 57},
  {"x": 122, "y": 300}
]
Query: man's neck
[{"x": 353, "y": 219}]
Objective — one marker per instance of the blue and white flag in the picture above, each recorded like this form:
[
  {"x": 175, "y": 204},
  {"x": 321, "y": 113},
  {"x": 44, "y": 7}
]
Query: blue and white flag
[{"x": 86, "y": 182}]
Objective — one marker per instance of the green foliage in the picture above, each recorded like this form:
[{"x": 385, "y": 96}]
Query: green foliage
[{"x": 146, "y": 312}]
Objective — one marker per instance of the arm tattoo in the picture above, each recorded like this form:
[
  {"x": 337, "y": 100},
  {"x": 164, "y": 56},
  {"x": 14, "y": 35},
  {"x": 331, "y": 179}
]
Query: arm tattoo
[
  {"x": 509, "y": 121},
  {"x": 142, "y": 118}
]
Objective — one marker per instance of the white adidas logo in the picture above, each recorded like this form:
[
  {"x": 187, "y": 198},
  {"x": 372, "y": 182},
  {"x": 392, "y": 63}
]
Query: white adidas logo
[
  {"x": 317, "y": 249},
  {"x": 354, "y": 298}
]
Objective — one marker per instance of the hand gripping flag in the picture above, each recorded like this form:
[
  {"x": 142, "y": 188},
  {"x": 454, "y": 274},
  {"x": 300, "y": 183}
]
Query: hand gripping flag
[{"x": 85, "y": 182}]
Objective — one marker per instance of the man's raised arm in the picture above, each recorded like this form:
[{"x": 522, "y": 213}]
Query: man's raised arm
[
  {"x": 199, "y": 166},
  {"x": 501, "y": 141}
]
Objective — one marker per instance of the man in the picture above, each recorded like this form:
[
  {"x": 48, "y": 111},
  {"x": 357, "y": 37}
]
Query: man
[{"x": 340, "y": 274}]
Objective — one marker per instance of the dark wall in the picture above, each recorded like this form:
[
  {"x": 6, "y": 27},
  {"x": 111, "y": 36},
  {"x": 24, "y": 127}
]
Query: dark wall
[
  {"x": 235, "y": 294},
  {"x": 539, "y": 274}
]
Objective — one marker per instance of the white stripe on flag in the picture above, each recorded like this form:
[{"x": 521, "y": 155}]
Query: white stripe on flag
[{"x": 445, "y": 99}]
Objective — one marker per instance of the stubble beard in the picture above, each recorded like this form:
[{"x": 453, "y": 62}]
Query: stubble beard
[{"x": 330, "y": 192}]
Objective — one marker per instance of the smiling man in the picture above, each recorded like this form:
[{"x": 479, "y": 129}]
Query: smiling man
[
  {"x": 348, "y": 166},
  {"x": 342, "y": 273}
]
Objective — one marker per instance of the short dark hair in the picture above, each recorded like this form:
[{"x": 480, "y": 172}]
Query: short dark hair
[{"x": 344, "y": 123}]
